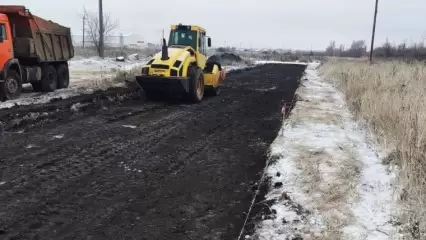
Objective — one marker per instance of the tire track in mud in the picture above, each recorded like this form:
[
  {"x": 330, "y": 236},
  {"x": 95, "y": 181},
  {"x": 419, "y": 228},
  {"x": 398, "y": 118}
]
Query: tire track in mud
[
  {"x": 185, "y": 170},
  {"x": 80, "y": 160}
]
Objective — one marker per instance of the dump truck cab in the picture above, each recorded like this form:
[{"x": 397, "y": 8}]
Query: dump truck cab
[
  {"x": 6, "y": 46},
  {"x": 32, "y": 50},
  {"x": 7, "y": 61},
  {"x": 182, "y": 66}
]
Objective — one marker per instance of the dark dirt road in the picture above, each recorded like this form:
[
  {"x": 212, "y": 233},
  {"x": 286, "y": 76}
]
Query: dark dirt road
[{"x": 109, "y": 166}]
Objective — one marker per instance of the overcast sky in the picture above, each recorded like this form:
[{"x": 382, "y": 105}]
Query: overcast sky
[{"x": 296, "y": 24}]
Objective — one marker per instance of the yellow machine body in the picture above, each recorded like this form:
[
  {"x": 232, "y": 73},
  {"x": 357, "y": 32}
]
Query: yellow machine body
[{"x": 182, "y": 65}]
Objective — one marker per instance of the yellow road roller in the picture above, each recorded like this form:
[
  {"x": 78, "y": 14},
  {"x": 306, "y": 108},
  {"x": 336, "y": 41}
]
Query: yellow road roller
[{"x": 182, "y": 67}]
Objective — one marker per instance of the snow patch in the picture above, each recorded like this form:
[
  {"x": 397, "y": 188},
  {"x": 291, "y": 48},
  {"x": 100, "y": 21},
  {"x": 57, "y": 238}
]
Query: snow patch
[
  {"x": 332, "y": 183},
  {"x": 230, "y": 68},
  {"x": 278, "y": 62},
  {"x": 265, "y": 89},
  {"x": 60, "y": 136},
  {"x": 96, "y": 63},
  {"x": 129, "y": 126},
  {"x": 29, "y": 146},
  {"x": 76, "y": 107},
  {"x": 127, "y": 167},
  {"x": 37, "y": 98}
]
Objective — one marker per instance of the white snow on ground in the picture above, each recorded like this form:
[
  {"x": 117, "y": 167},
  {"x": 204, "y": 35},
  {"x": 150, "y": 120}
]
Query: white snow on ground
[
  {"x": 230, "y": 68},
  {"x": 129, "y": 126},
  {"x": 86, "y": 70},
  {"x": 278, "y": 62},
  {"x": 333, "y": 183},
  {"x": 59, "y": 136}
]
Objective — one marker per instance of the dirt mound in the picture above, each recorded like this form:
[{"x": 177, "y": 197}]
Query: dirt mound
[
  {"x": 226, "y": 58},
  {"x": 231, "y": 57}
]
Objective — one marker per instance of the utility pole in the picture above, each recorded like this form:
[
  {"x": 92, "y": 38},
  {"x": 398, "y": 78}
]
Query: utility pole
[
  {"x": 101, "y": 30},
  {"x": 374, "y": 32},
  {"x": 122, "y": 43},
  {"x": 84, "y": 28}
]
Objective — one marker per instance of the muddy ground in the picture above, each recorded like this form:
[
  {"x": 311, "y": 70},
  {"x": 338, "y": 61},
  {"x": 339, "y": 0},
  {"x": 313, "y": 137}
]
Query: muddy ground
[{"x": 110, "y": 166}]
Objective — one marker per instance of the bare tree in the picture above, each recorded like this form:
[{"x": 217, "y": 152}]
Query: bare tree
[
  {"x": 401, "y": 49},
  {"x": 341, "y": 49},
  {"x": 358, "y": 48},
  {"x": 387, "y": 47},
  {"x": 93, "y": 26},
  {"x": 331, "y": 48}
]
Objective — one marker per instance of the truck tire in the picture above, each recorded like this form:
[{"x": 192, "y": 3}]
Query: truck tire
[
  {"x": 49, "y": 81},
  {"x": 11, "y": 88},
  {"x": 196, "y": 84},
  {"x": 63, "y": 76}
]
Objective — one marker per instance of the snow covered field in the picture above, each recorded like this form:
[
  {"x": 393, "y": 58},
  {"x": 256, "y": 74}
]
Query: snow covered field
[
  {"x": 327, "y": 178},
  {"x": 86, "y": 70},
  {"x": 280, "y": 62}
]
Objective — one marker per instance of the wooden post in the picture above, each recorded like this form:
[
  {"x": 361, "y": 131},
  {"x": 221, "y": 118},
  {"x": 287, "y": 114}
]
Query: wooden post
[
  {"x": 101, "y": 30},
  {"x": 374, "y": 32}
]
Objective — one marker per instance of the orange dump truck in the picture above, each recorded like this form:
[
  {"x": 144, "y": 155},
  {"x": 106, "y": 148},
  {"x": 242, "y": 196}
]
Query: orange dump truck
[{"x": 32, "y": 50}]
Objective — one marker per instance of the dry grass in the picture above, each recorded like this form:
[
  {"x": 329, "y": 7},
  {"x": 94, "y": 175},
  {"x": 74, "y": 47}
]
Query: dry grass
[
  {"x": 331, "y": 190},
  {"x": 391, "y": 97},
  {"x": 330, "y": 175}
]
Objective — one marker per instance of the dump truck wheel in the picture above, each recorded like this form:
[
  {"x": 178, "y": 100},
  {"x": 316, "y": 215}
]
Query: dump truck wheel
[
  {"x": 196, "y": 84},
  {"x": 49, "y": 82},
  {"x": 11, "y": 88},
  {"x": 63, "y": 76}
]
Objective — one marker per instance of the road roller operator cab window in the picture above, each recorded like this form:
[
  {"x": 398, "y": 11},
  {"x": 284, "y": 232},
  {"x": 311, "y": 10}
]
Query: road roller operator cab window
[
  {"x": 183, "y": 37},
  {"x": 202, "y": 43}
]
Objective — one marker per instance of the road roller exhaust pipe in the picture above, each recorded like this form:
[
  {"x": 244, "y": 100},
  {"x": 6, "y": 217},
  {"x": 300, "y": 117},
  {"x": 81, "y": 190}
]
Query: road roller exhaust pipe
[{"x": 164, "y": 51}]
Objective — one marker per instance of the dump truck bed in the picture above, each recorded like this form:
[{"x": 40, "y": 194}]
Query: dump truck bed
[{"x": 37, "y": 38}]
